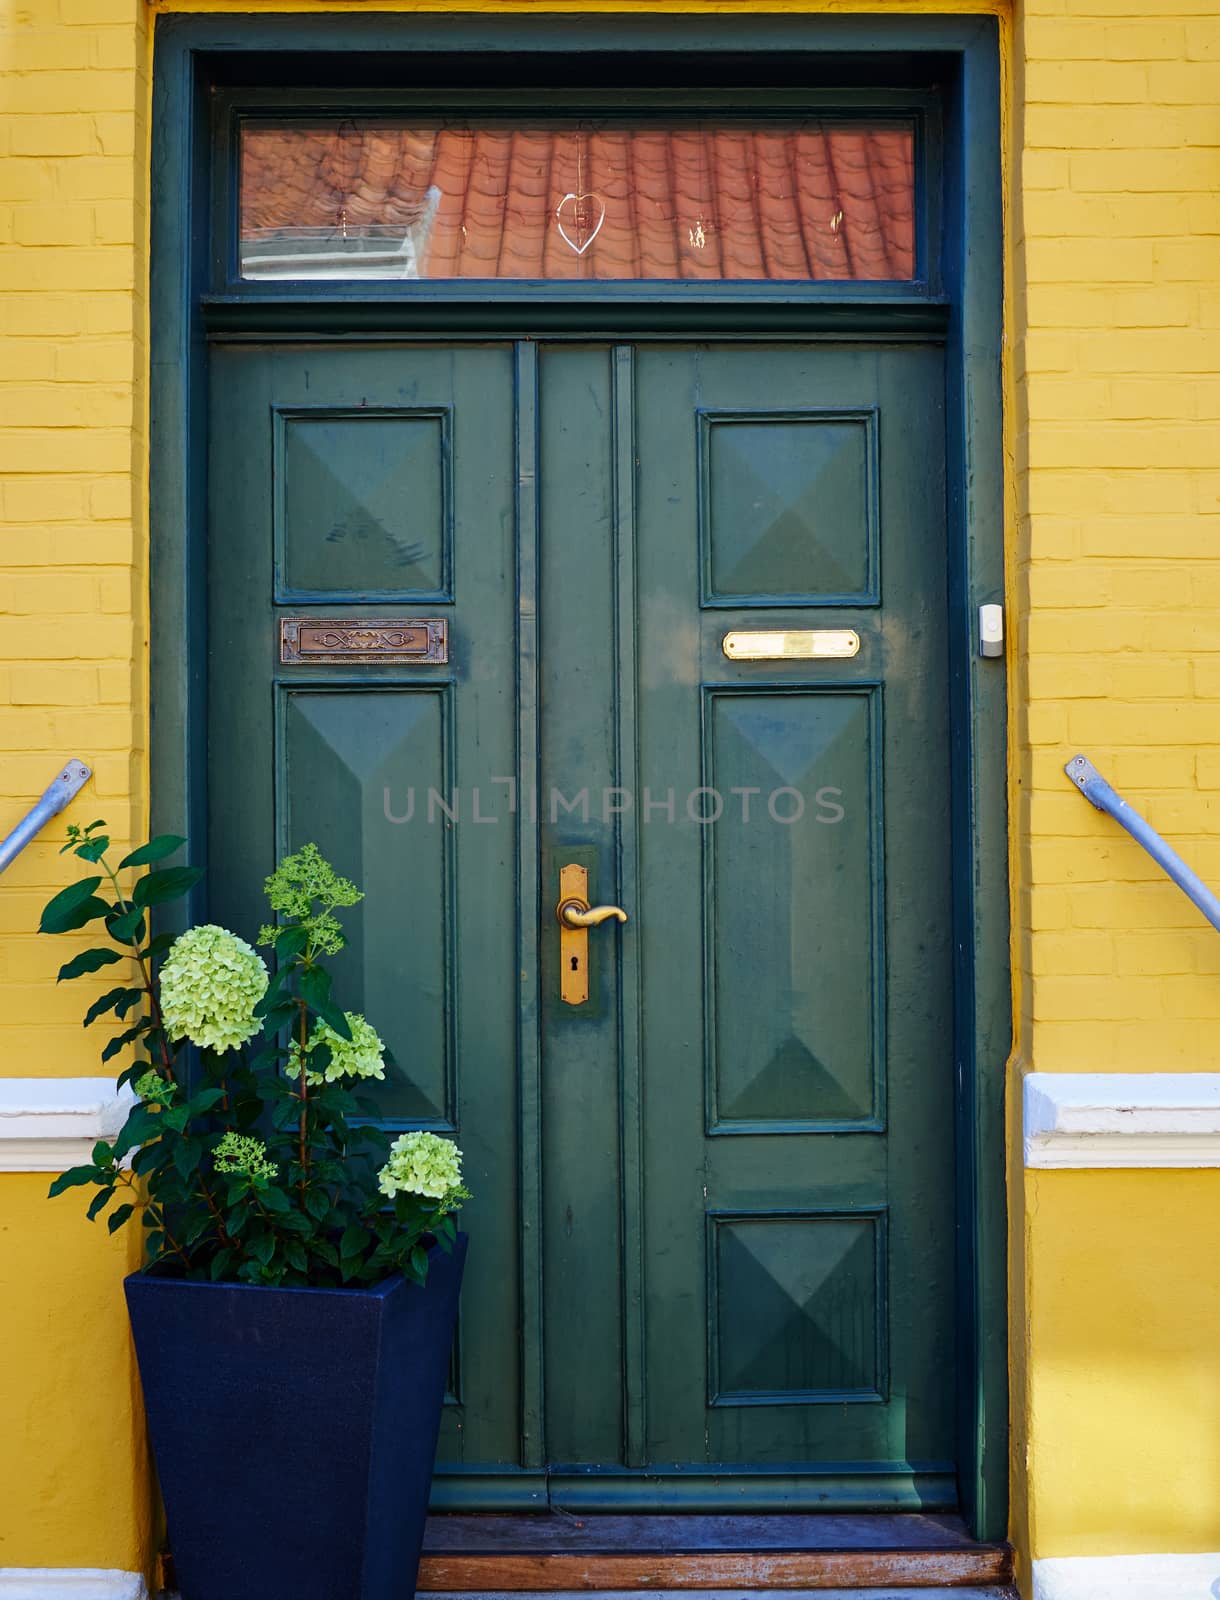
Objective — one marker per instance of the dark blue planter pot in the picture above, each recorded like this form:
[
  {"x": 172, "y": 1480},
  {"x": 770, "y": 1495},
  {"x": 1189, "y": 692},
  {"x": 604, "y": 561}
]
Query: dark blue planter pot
[{"x": 294, "y": 1430}]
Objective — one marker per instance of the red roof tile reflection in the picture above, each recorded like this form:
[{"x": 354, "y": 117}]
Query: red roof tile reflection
[{"x": 774, "y": 201}]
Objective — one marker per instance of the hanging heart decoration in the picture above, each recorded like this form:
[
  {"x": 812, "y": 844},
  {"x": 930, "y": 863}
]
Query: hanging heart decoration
[{"x": 577, "y": 211}]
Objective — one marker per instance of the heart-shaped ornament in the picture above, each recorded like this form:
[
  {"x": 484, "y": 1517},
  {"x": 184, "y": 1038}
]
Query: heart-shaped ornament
[{"x": 578, "y": 211}]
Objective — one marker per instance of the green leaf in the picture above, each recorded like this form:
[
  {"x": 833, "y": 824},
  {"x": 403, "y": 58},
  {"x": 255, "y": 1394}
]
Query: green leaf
[
  {"x": 121, "y": 1040},
  {"x": 262, "y": 1248},
  {"x": 272, "y": 991},
  {"x": 93, "y": 849},
  {"x": 74, "y": 1178},
  {"x": 295, "y": 1252},
  {"x": 111, "y": 1001},
  {"x": 274, "y": 1199},
  {"x": 155, "y": 850},
  {"x": 204, "y": 1101},
  {"x": 103, "y": 1155},
  {"x": 141, "y": 1125},
  {"x": 221, "y": 1262},
  {"x": 354, "y": 1240},
  {"x": 317, "y": 1203},
  {"x": 100, "y": 1201},
  {"x": 127, "y": 927},
  {"x": 279, "y": 1016},
  {"x": 88, "y": 961},
  {"x": 187, "y": 1156},
  {"x": 158, "y": 946},
  {"x": 119, "y": 1216},
  {"x": 155, "y": 888},
  {"x": 291, "y": 941},
  {"x": 62, "y": 911}
]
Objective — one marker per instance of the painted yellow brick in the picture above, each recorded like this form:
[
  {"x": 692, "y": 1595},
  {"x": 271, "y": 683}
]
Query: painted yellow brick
[
  {"x": 1203, "y": 40},
  {"x": 1057, "y": 214},
  {"x": 1207, "y": 768},
  {"x": 51, "y": 49},
  {"x": 107, "y": 267},
  {"x": 53, "y": 684},
  {"x": 69, "y": 135},
  {"x": 1146, "y": 351},
  {"x": 34, "y": 92},
  {"x": 110, "y": 544},
  {"x": 1144, "y": 41},
  {"x": 1134, "y": 127},
  {"x": 1207, "y": 677},
  {"x": 1054, "y": 585},
  {"x": 1148, "y": 677},
  {"x": 1164, "y": 538},
  {"x": 91, "y": 638},
  {"x": 1045, "y": 908},
  {"x": 1134, "y": 722},
  {"x": 1128, "y": 445},
  {"x": 1045, "y": 169},
  {"x": 1088, "y": 260},
  {"x": 1184, "y": 82},
  {"x": 1186, "y": 629},
  {"x": 51, "y": 499},
  {"x": 1113, "y": 82},
  {"x": 1152, "y": 769},
  {"x": 28, "y": 450},
  {"x": 23, "y": 181},
  {"x": 1145, "y": 399},
  {"x": 94, "y": 361},
  {"x": 1136, "y": 584},
  {"x": 114, "y": 222},
  {"x": 95, "y": 178},
  {"x": 37, "y": 315},
  {"x": 1067, "y": 398},
  {"x": 1060, "y": 997},
  {"x": 1073, "y": 954},
  {"x": 36, "y": 592},
  {"x": 1060, "y": 38},
  {"x": 1066, "y": 677},
  {"x": 115, "y": 133},
  {"x": 1150, "y": 172}
]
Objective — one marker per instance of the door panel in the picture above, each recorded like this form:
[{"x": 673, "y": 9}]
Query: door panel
[
  {"x": 346, "y": 475},
  {"x": 796, "y": 1017},
  {"x": 745, "y": 1159}
]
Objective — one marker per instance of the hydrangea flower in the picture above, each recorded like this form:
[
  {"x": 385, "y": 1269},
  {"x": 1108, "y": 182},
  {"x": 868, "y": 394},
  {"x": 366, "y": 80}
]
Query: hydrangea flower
[
  {"x": 241, "y": 1152},
  {"x": 153, "y": 1089},
  {"x": 210, "y": 984},
  {"x": 357, "y": 1057},
  {"x": 422, "y": 1163},
  {"x": 294, "y": 886}
]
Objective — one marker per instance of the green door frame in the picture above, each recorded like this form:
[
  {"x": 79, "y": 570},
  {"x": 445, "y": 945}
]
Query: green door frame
[{"x": 196, "y": 55}]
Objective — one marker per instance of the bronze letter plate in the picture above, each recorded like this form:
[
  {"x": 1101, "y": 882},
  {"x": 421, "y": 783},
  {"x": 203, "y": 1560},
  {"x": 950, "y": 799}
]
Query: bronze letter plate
[
  {"x": 386, "y": 641},
  {"x": 815, "y": 644}
]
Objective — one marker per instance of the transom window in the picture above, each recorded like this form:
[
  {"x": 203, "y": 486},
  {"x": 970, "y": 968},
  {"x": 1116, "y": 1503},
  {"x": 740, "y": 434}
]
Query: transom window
[{"x": 795, "y": 198}]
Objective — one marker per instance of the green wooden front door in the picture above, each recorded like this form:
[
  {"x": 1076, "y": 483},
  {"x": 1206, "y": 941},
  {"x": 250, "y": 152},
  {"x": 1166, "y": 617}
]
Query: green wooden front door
[{"x": 712, "y": 1258}]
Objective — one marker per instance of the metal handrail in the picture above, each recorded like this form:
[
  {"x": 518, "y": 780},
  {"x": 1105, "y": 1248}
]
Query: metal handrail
[
  {"x": 65, "y": 787},
  {"x": 1098, "y": 792}
]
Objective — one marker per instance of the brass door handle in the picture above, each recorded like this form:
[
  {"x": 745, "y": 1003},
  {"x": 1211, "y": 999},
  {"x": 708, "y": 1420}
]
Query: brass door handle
[
  {"x": 579, "y": 914},
  {"x": 575, "y": 917}
]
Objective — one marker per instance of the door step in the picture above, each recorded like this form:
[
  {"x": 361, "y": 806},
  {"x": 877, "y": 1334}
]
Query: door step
[
  {"x": 1004, "y": 1592},
  {"x": 557, "y": 1553}
]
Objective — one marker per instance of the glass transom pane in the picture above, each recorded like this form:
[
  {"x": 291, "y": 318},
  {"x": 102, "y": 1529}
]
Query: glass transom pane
[{"x": 797, "y": 199}]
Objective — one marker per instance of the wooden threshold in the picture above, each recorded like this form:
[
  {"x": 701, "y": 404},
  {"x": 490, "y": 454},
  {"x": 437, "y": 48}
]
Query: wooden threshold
[{"x": 562, "y": 1553}]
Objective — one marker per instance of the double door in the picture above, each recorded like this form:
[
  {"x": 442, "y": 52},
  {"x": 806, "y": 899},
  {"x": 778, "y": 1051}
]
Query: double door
[{"x": 687, "y": 658}]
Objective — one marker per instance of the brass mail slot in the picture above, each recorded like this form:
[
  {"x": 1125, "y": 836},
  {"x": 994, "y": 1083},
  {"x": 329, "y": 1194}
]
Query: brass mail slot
[
  {"x": 388, "y": 641},
  {"x": 812, "y": 644}
]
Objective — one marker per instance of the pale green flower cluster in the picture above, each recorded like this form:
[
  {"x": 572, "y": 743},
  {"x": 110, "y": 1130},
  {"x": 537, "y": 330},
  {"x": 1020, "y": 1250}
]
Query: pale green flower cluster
[
  {"x": 153, "y": 1089},
  {"x": 241, "y": 1152},
  {"x": 422, "y": 1163},
  {"x": 210, "y": 984},
  {"x": 295, "y": 885},
  {"x": 357, "y": 1057}
]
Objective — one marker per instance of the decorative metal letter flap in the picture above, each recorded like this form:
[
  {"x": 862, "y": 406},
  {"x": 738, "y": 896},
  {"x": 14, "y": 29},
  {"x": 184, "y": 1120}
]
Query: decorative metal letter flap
[{"x": 388, "y": 641}]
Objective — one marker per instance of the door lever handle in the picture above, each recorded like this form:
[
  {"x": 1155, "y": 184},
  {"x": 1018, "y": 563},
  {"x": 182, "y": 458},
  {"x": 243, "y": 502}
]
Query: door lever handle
[
  {"x": 579, "y": 914},
  {"x": 575, "y": 917}
]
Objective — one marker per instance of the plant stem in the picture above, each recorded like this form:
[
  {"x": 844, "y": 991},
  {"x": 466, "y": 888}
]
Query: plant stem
[
  {"x": 146, "y": 977},
  {"x": 303, "y": 1126}
]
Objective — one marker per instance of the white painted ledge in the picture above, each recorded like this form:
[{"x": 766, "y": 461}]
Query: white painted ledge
[
  {"x": 70, "y": 1583},
  {"x": 1121, "y": 1119},
  {"x": 51, "y": 1124},
  {"x": 1128, "y": 1577}
]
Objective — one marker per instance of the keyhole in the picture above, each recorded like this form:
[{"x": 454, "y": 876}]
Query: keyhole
[{"x": 575, "y": 963}]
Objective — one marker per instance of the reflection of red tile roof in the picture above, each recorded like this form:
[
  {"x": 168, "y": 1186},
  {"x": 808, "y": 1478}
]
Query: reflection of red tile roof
[{"x": 746, "y": 202}]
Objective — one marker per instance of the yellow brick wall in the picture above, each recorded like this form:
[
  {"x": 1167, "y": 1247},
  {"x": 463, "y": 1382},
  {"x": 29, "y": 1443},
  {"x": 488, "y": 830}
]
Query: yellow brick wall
[
  {"x": 74, "y": 1486},
  {"x": 1115, "y": 338}
]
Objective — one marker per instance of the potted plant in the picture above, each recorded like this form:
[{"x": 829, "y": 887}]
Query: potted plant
[{"x": 294, "y": 1314}]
